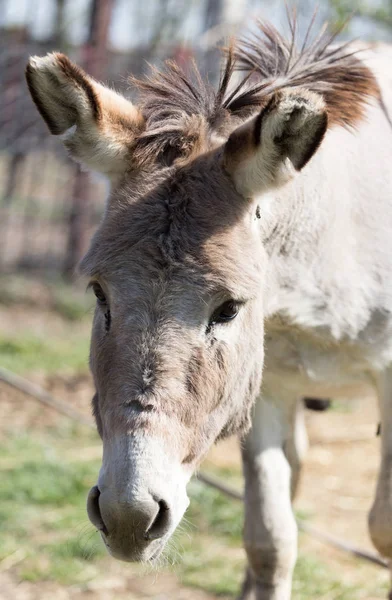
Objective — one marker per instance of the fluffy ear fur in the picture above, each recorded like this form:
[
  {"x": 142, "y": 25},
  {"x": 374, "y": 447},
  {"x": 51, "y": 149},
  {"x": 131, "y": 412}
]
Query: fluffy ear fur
[
  {"x": 99, "y": 125},
  {"x": 291, "y": 126}
]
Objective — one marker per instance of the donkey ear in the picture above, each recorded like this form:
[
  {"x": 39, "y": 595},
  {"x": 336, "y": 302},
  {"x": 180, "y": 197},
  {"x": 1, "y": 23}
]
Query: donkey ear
[
  {"x": 291, "y": 126},
  {"x": 99, "y": 125}
]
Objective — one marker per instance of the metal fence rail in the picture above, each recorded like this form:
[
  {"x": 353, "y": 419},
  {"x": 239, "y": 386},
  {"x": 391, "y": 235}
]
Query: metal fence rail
[
  {"x": 48, "y": 207},
  {"x": 39, "y": 394},
  {"x": 43, "y": 196}
]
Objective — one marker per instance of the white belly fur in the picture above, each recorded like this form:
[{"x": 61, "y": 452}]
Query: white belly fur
[{"x": 301, "y": 364}]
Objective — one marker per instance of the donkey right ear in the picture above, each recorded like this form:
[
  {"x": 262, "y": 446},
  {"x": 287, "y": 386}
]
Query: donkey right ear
[
  {"x": 266, "y": 151},
  {"x": 99, "y": 125}
]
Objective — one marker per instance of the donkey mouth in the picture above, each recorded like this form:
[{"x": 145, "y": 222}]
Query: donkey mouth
[
  {"x": 157, "y": 552},
  {"x": 94, "y": 512},
  {"x": 148, "y": 555},
  {"x": 129, "y": 546}
]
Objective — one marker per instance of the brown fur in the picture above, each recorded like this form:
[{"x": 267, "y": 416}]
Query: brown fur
[
  {"x": 78, "y": 76},
  {"x": 334, "y": 71},
  {"x": 181, "y": 115},
  {"x": 105, "y": 123},
  {"x": 170, "y": 99},
  {"x": 182, "y": 242},
  {"x": 168, "y": 241},
  {"x": 174, "y": 224},
  {"x": 175, "y": 216}
]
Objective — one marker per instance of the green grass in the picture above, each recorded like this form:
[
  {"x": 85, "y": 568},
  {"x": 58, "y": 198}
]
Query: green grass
[
  {"x": 56, "y": 334},
  {"x": 42, "y": 500},
  {"x": 44, "y": 483},
  {"x": 69, "y": 305},
  {"x": 42, "y": 513},
  {"x": 205, "y": 563},
  {"x": 30, "y": 352},
  {"x": 212, "y": 511},
  {"x": 70, "y": 302}
]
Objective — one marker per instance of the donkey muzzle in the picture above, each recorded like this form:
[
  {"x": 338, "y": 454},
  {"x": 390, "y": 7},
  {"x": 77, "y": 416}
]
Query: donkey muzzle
[{"x": 139, "y": 500}]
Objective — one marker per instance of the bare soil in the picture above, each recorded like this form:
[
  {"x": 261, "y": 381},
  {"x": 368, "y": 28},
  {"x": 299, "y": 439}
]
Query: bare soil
[
  {"x": 105, "y": 588},
  {"x": 337, "y": 485},
  {"x": 336, "y": 490}
]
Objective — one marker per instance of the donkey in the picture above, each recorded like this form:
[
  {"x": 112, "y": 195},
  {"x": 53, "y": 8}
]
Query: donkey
[{"x": 246, "y": 241}]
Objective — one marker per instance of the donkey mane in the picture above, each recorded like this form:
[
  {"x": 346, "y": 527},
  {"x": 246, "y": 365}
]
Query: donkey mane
[{"x": 183, "y": 111}]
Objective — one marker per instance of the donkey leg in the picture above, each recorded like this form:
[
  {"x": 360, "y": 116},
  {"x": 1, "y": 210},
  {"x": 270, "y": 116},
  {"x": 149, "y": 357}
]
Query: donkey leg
[
  {"x": 296, "y": 445},
  {"x": 270, "y": 532},
  {"x": 380, "y": 516}
]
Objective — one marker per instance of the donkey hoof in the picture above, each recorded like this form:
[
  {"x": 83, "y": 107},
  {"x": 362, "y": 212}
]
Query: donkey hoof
[{"x": 247, "y": 587}]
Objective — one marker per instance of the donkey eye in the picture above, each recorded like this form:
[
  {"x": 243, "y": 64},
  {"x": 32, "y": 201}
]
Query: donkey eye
[
  {"x": 99, "y": 294},
  {"x": 226, "y": 312}
]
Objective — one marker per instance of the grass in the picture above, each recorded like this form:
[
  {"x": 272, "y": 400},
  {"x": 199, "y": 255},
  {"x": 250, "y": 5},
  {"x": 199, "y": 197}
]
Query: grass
[
  {"x": 42, "y": 514},
  {"x": 70, "y": 302},
  {"x": 212, "y": 511},
  {"x": 45, "y": 481},
  {"x": 28, "y": 352},
  {"x": 42, "y": 501},
  {"x": 53, "y": 336}
]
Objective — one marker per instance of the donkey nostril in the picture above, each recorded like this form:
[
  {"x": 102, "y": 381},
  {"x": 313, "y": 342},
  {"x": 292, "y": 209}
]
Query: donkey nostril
[
  {"x": 93, "y": 510},
  {"x": 161, "y": 522},
  {"x": 140, "y": 407}
]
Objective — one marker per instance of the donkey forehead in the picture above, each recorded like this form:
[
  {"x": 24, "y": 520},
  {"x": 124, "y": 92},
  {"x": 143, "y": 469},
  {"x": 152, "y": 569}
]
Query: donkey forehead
[
  {"x": 158, "y": 272},
  {"x": 189, "y": 226}
]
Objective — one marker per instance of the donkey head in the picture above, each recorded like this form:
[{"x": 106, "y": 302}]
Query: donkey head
[{"x": 178, "y": 269}]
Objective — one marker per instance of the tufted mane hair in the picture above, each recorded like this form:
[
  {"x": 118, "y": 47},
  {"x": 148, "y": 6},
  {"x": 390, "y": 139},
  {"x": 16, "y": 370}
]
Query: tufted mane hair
[{"x": 183, "y": 111}]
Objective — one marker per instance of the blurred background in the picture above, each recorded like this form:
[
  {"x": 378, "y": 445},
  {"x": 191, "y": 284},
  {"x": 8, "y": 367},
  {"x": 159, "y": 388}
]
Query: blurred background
[{"x": 48, "y": 211}]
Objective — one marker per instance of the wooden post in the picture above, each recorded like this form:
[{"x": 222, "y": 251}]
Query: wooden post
[
  {"x": 94, "y": 61},
  {"x": 212, "y": 18}
]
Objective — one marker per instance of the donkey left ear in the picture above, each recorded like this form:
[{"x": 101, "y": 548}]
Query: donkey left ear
[
  {"x": 99, "y": 125},
  {"x": 291, "y": 126}
]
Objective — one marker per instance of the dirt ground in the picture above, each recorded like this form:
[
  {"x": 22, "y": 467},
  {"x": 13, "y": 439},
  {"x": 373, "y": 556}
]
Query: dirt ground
[
  {"x": 112, "y": 588},
  {"x": 336, "y": 489},
  {"x": 337, "y": 484}
]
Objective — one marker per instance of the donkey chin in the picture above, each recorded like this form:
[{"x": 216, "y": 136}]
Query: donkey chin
[{"x": 140, "y": 497}]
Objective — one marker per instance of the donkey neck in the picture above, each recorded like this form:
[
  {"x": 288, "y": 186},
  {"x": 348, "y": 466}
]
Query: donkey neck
[{"x": 323, "y": 233}]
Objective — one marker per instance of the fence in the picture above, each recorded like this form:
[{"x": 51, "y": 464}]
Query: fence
[
  {"x": 48, "y": 207},
  {"x": 35, "y": 392}
]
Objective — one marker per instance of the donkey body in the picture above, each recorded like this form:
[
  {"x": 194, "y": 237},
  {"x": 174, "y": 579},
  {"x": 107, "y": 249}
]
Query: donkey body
[
  {"x": 327, "y": 330},
  {"x": 240, "y": 223}
]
